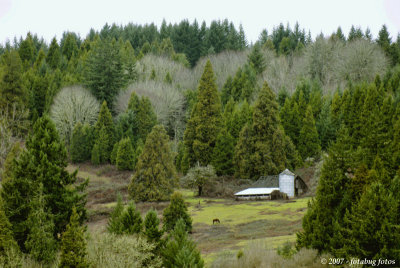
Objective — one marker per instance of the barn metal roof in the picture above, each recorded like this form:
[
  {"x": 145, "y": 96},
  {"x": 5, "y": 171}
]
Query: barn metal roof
[{"x": 254, "y": 191}]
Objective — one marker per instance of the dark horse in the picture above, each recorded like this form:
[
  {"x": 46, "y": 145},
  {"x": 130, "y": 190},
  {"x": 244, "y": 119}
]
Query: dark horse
[{"x": 216, "y": 221}]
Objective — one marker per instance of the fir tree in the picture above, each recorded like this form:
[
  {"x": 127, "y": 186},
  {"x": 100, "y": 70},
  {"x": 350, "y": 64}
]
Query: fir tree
[
  {"x": 114, "y": 224},
  {"x": 44, "y": 161},
  {"x": 41, "y": 244},
  {"x": 146, "y": 118},
  {"x": 27, "y": 51},
  {"x": 180, "y": 250},
  {"x": 53, "y": 57},
  {"x": 73, "y": 244},
  {"x": 223, "y": 153},
  {"x": 330, "y": 202},
  {"x": 151, "y": 225},
  {"x": 104, "y": 73},
  {"x": 256, "y": 59},
  {"x": 155, "y": 176},
  {"x": 204, "y": 123},
  {"x": 372, "y": 229},
  {"x": 243, "y": 150},
  {"x": 70, "y": 47},
  {"x": 7, "y": 241},
  {"x": 125, "y": 155},
  {"x": 104, "y": 133},
  {"x": 100, "y": 149},
  {"x": 12, "y": 89},
  {"x": 176, "y": 210},
  {"x": 131, "y": 221},
  {"x": 81, "y": 143},
  {"x": 261, "y": 147},
  {"x": 309, "y": 144}
]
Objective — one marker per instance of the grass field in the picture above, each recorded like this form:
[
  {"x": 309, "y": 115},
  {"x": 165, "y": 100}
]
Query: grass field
[{"x": 270, "y": 222}]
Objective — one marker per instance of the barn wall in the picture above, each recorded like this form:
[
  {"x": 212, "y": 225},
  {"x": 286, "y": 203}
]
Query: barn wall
[{"x": 286, "y": 184}]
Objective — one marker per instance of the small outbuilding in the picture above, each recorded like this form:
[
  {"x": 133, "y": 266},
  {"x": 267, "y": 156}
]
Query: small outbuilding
[
  {"x": 286, "y": 182},
  {"x": 255, "y": 193}
]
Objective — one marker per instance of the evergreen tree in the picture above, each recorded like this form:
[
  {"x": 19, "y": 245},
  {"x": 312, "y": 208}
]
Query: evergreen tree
[
  {"x": 291, "y": 120},
  {"x": 104, "y": 133},
  {"x": 104, "y": 74},
  {"x": 223, "y": 153},
  {"x": 100, "y": 154},
  {"x": 243, "y": 150},
  {"x": 176, "y": 210},
  {"x": 309, "y": 143},
  {"x": 73, "y": 244},
  {"x": 372, "y": 229},
  {"x": 125, "y": 155},
  {"x": 27, "y": 51},
  {"x": 131, "y": 221},
  {"x": 325, "y": 127},
  {"x": 70, "y": 46},
  {"x": 204, "y": 123},
  {"x": 53, "y": 57},
  {"x": 129, "y": 61},
  {"x": 151, "y": 225},
  {"x": 331, "y": 198},
  {"x": 12, "y": 89},
  {"x": 81, "y": 143},
  {"x": 155, "y": 176},
  {"x": 256, "y": 59},
  {"x": 261, "y": 148},
  {"x": 146, "y": 118},
  {"x": 114, "y": 224},
  {"x": 7, "y": 241},
  {"x": 180, "y": 250},
  {"x": 41, "y": 244},
  {"x": 44, "y": 161}
]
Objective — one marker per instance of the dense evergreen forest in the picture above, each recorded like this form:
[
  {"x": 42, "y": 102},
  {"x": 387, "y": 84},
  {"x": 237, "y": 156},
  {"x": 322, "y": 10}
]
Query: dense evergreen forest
[{"x": 189, "y": 105}]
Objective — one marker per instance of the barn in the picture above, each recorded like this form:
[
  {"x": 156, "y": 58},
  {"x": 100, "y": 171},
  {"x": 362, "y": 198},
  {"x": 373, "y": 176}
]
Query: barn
[
  {"x": 286, "y": 182},
  {"x": 255, "y": 193}
]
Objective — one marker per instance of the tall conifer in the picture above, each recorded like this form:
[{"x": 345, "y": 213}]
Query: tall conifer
[{"x": 204, "y": 123}]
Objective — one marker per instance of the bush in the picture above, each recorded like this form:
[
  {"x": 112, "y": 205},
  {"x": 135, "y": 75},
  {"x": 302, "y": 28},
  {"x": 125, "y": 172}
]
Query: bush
[
  {"x": 256, "y": 255},
  {"x": 72, "y": 105},
  {"x": 277, "y": 195},
  {"x": 110, "y": 250}
]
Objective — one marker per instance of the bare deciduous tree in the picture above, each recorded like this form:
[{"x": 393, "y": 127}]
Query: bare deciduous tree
[{"x": 72, "y": 105}]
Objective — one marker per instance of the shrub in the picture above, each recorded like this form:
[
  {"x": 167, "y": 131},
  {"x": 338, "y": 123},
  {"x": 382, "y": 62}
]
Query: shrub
[
  {"x": 72, "y": 105},
  {"x": 110, "y": 250}
]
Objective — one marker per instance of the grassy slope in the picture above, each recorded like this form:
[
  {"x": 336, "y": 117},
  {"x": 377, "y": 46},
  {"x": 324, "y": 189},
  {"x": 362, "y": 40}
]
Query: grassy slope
[{"x": 270, "y": 222}]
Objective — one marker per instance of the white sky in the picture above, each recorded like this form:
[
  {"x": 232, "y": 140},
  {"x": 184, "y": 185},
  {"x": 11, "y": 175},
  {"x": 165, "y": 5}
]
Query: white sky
[{"x": 49, "y": 18}]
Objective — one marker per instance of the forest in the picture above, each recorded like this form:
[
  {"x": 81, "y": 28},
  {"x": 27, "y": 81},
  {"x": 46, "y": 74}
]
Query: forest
[{"x": 196, "y": 106}]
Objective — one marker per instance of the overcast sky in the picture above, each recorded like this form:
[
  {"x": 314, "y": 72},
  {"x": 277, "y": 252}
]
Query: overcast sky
[{"x": 49, "y": 18}]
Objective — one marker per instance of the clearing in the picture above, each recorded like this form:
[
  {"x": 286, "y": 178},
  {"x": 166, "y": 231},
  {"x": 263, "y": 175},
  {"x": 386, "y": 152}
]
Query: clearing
[{"x": 272, "y": 222}]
